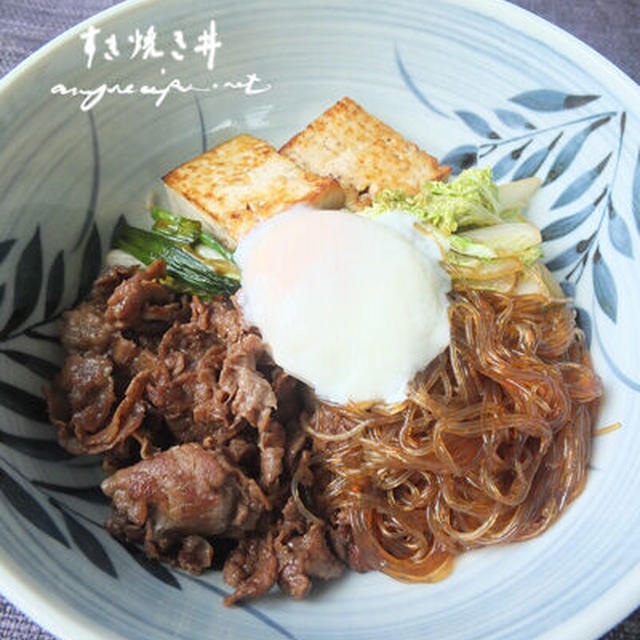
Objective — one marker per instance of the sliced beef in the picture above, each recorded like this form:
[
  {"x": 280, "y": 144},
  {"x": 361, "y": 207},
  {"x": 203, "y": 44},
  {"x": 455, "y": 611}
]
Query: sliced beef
[
  {"x": 206, "y": 381},
  {"x": 343, "y": 545},
  {"x": 99, "y": 398},
  {"x": 82, "y": 405},
  {"x": 85, "y": 330},
  {"x": 184, "y": 379},
  {"x": 242, "y": 386},
  {"x": 271, "y": 441},
  {"x": 289, "y": 395},
  {"x": 200, "y": 432},
  {"x": 302, "y": 553},
  {"x": 293, "y": 552},
  {"x": 88, "y": 384},
  {"x": 252, "y": 568},
  {"x": 142, "y": 300},
  {"x": 186, "y": 490},
  {"x": 298, "y": 545}
]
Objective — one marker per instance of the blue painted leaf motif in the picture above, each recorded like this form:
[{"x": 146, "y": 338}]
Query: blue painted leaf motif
[
  {"x": 613, "y": 364},
  {"x": 604, "y": 286},
  {"x": 29, "y": 508},
  {"x": 85, "y": 462},
  {"x": 570, "y": 255},
  {"x": 571, "y": 149},
  {"x": 551, "y": 100},
  {"x": 461, "y": 158},
  {"x": 619, "y": 233},
  {"x": 580, "y": 184},
  {"x": 513, "y": 119},
  {"x": 89, "y": 494},
  {"x": 562, "y": 260},
  {"x": 502, "y": 167},
  {"x": 635, "y": 194},
  {"x": 203, "y": 129},
  {"x": 506, "y": 163},
  {"x": 23, "y": 402},
  {"x": 121, "y": 221},
  {"x": 562, "y": 227},
  {"x": 531, "y": 165},
  {"x": 91, "y": 263},
  {"x": 411, "y": 85},
  {"x": 35, "y": 364},
  {"x": 256, "y": 613},
  {"x": 569, "y": 288},
  {"x": 37, "y": 335},
  {"x": 35, "y": 447},
  {"x": 88, "y": 544},
  {"x": 578, "y": 268},
  {"x": 95, "y": 183},
  {"x": 5, "y": 248},
  {"x": 55, "y": 285},
  {"x": 151, "y": 566},
  {"x": 477, "y": 124},
  {"x": 583, "y": 320},
  {"x": 38, "y": 448},
  {"x": 27, "y": 284}
]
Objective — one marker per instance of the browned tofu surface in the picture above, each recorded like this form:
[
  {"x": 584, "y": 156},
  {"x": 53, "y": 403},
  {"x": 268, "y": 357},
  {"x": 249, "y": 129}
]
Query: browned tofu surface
[
  {"x": 362, "y": 153},
  {"x": 240, "y": 182}
]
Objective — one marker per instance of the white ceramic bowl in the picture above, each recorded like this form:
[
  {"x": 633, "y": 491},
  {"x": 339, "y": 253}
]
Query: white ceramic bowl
[{"x": 471, "y": 82}]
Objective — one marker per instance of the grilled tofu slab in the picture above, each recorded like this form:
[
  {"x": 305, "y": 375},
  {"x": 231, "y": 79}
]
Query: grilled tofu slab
[
  {"x": 362, "y": 153},
  {"x": 241, "y": 182}
]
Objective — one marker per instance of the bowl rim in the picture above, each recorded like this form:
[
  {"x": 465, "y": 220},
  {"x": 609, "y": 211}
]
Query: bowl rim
[{"x": 58, "y": 617}]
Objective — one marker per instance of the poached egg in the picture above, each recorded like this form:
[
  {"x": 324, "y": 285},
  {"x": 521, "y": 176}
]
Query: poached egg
[{"x": 352, "y": 306}]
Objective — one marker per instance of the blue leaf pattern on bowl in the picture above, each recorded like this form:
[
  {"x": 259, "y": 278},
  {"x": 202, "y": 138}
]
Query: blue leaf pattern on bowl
[
  {"x": 29, "y": 508},
  {"x": 27, "y": 283},
  {"x": 5, "y": 248},
  {"x": 477, "y": 124},
  {"x": 55, "y": 285},
  {"x": 513, "y": 119},
  {"x": 619, "y": 233},
  {"x": 551, "y": 100},
  {"x": 569, "y": 152},
  {"x": 95, "y": 184},
  {"x": 88, "y": 544}
]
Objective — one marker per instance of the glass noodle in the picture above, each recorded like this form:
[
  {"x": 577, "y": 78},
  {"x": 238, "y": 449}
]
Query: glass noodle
[{"x": 490, "y": 446}]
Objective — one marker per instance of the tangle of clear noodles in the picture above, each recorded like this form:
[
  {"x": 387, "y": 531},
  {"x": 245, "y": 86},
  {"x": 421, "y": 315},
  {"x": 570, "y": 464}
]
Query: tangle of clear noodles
[{"x": 491, "y": 444}]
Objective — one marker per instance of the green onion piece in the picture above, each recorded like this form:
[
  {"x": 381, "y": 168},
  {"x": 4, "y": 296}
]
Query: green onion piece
[
  {"x": 180, "y": 286},
  {"x": 182, "y": 262},
  {"x": 185, "y": 230},
  {"x": 212, "y": 243},
  {"x": 175, "y": 227}
]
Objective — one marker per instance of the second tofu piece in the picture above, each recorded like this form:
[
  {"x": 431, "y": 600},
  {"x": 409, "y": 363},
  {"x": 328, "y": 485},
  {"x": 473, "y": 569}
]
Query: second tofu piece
[
  {"x": 235, "y": 185},
  {"x": 362, "y": 153}
]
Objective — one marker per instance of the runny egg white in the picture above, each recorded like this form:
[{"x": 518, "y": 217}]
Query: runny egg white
[{"x": 351, "y": 306}]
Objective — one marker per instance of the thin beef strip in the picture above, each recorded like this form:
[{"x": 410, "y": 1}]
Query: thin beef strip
[
  {"x": 180, "y": 497},
  {"x": 207, "y": 387},
  {"x": 303, "y": 553},
  {"x": 97, "y": 401},
  {"x": 294, "y": 551},
  {"x": 141, "y": 299},
  {"x": 252, "y": 568},
  {"x": 343, "y": 544}
]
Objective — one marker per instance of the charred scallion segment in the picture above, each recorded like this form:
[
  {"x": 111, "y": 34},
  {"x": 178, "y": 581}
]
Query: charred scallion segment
[
  {"x": 188, "y": 271},
  {"x": 185, "y": 230},
  {"x": 175, "y": 227}
]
